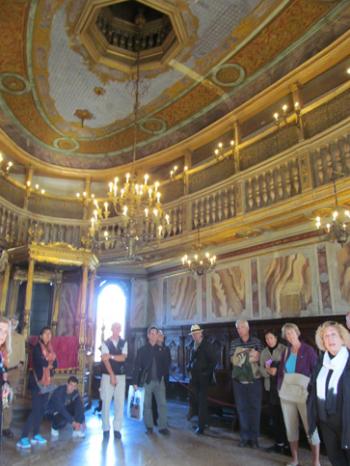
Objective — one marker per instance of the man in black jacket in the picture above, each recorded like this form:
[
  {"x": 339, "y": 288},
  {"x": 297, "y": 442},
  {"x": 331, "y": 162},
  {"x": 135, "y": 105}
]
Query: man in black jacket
[
  {"x": 65, "y": 406},
  {"x": 202, "y": 364},
  {"x": 151, "y": 369}
]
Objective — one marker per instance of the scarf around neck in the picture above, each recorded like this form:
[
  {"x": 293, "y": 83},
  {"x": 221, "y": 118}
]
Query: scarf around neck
[
  {"x": 337, "y": 365},
  {"x": 50, "y": 357}
]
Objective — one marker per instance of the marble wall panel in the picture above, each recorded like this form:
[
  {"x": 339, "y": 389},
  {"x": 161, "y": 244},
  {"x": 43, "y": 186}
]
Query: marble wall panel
[
  {"x": 68, "y": 309},
  {"x": 289, "y": 284},
  {"x": 138, "y": 307},
  {"x": 229, "y": 292},
  {"x": 339, "y": 271},
  {"x": 325, "y": 289},
  {"x": 155, "y": 302},
  {"x": 183, "y": 299}
]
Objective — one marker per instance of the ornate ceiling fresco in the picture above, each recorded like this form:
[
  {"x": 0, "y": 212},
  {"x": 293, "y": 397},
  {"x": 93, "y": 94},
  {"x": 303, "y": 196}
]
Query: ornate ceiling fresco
[{"x": 62, "y": 107}]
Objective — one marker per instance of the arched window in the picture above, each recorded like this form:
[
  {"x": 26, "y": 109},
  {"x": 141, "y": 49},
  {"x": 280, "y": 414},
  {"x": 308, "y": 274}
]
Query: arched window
[{"x": 111, "y": 307}]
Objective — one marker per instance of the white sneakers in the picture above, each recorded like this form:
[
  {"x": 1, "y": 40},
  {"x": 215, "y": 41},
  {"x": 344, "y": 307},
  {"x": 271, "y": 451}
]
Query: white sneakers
[
  {"x": 78, "y": 433},
  {"x": 54, "y": 432}
]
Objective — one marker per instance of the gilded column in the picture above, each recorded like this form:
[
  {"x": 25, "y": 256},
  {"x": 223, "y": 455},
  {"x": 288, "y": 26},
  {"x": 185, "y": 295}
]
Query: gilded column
[
  {"x": 28, "y": 297},
  {"x": 237, "y": 140},
  {"x": 5, "y": 287},
  {"x": 90, "y": 312},
  {"x": 82, "y": 314},
  {"x": 90, "y": 334},
  {"x": 28, "y": 187},
  {"x": 86, "y": 197},
  {"x": 13, "y": 298},
  {"x": 56, "y": 303},
  {"x": 187, "y": 208},
  {"x": 298, "y": 104}
]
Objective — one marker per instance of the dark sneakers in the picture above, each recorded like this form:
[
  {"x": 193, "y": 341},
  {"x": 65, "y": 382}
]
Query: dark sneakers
[
  {"x": 164, "y": 431},
  {"x": 8, "y": 433},
  {"x": 117, "y": 435},
  {"x": 149, "y": 431},
  {"x": 253, "y": 444},
  {"x": 248, "y": 443},
  {"x": 199, "y": 431},
  {"x": 243, "y": 443}
]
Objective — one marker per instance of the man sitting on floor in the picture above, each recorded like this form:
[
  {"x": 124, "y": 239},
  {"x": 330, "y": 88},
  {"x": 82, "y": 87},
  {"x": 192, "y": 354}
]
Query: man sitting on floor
[{"x": 65, "y": 406}]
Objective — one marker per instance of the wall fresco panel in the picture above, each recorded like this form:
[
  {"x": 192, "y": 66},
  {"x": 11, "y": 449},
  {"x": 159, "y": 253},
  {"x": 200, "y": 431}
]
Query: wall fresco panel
[
  {"x": 155, "y": 301},
  {"x": 339, "y": 274},
  {"x": 183, "y": 299},
  {"x": 138, "y": 309},
  {"x": 229, "y": 289},
  {"x": 288, "y": 284}
]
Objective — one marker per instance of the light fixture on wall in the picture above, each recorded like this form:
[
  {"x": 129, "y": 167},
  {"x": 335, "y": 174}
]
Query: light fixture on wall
[
  {"x": 5, "y": 166},
  {"x": 30, "y": 188},
  {"x": 282, "y": 118},
  {"x": 337, "y": 225},
  {"x": 223, "y": 151},
  {"x": 176, "y": 173},
  {"x": 199, "y": 261},
  {"x": 134, "y": 202}
]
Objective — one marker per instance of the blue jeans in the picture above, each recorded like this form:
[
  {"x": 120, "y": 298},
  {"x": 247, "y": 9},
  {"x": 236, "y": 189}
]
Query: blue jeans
[
  {"x": 39, "y": 403},
  {"x": 75, "y": 409},
  {"x": 248, "y": 397}
]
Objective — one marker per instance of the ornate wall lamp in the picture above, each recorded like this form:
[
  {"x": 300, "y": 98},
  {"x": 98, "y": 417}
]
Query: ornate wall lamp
[
  {"x": 282, "y": 118},
  {"x": 5, "y": 166},
  {"x": 34, "y": 189},
  {"x": 222, "y": 151},
  {"x": 175, "y": 173}
]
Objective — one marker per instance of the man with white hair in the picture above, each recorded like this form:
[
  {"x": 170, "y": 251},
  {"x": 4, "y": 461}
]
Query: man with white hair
[
  {"x": 247, "y": 387},
  {"x": 14, "y": 374}
]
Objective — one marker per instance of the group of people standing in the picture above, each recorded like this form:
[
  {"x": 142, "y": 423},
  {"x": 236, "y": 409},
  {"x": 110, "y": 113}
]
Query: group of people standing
[{"x": 298, "y": 382}]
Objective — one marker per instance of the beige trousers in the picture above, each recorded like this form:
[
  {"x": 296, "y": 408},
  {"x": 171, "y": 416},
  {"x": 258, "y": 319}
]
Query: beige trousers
[
  {"x": 117, "y": 393},
  {"x": 290, "y": 412}
]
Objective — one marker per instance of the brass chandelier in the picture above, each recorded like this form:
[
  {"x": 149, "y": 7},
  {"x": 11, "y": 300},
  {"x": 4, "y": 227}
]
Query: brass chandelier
[
  {"x": 134, "y": 202},
  {"x": 200, "y": 261},
  {"x": 337, "y": 225}
]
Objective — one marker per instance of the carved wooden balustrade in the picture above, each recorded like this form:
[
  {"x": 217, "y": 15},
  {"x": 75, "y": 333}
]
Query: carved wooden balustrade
[{"x": 288, "y": 175}]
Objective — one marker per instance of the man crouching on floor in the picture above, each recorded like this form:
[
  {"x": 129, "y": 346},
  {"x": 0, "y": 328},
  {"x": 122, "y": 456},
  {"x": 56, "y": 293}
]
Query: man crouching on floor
[{"x": 66, "y": 407}]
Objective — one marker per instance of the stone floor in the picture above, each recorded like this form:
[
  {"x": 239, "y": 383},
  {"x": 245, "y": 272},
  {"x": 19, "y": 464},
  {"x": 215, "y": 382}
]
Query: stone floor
[{"x": 183, "y": 448}]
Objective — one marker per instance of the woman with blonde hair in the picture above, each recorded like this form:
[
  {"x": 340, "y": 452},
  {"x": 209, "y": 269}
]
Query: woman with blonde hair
[
  {"x": 5, "y": 349},
  {"x": 329, "y": 399},
  {"x": 293, "y": 377}
]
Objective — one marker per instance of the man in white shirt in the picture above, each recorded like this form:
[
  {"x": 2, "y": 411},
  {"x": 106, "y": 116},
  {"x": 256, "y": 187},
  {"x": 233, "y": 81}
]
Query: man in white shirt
[{"x": 114, "y": 353}]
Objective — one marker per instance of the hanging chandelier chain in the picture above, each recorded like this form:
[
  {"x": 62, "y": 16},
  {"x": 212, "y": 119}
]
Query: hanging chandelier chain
[{"x": 135, "y": 204}]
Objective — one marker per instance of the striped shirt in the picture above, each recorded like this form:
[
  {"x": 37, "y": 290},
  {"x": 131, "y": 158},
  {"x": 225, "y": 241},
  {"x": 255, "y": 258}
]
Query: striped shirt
[
  {"x": 251, "y": 343},
  {"x": 244, "y": 370}
]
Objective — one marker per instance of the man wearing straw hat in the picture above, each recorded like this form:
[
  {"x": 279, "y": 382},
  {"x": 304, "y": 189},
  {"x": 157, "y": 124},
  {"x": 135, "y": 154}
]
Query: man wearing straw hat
[{"x": 202, "y": 364}]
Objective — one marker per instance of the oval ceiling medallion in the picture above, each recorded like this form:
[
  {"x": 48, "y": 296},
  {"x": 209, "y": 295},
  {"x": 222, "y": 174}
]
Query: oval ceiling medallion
[
  {"x": 66, "y": 144},
  {"x": 229, "y": 75},
  {"x": 153, "y": 125},
  {"x": 13, "y": 83}
]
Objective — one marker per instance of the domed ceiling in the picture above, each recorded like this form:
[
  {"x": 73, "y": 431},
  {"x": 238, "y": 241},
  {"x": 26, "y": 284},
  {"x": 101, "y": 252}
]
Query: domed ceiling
[{"x": 66, "y": 68}]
